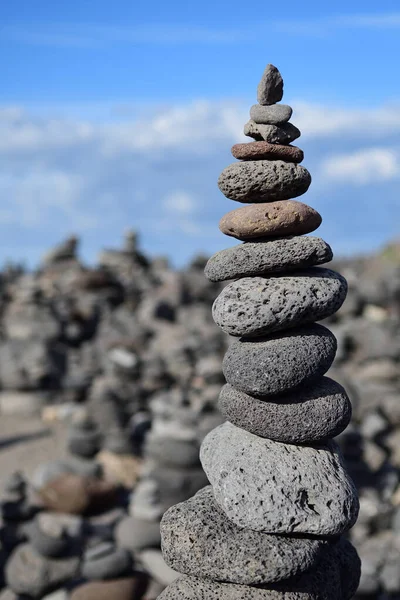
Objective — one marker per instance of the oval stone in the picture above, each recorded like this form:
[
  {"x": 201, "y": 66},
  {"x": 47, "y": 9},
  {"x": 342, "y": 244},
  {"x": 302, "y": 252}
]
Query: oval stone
[
  {"x": 274, "y": 114},
  {"x": 273, "y": 256},
  {"x": 263, "y": 181},
  {"x": 274, "y": 219},
  {"x": 310, "y": 414},
  {"x": 254, "y": 306},
  {"x": 279, "y": 362},
  {"x": 258, "y": 150},
  {"x": 285, "y": 133},
  {"x": 197, "y": 537},
  {"x": 279, "y": 488}
]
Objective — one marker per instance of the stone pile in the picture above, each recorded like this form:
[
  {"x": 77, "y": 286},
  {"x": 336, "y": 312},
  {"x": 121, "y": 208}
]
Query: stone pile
[{"x": 272, "y": 523}]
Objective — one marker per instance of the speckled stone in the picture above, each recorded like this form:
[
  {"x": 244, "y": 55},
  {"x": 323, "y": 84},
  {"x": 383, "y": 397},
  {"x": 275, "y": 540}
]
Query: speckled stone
[
  {"x": 279, "y": 488},
  {"x": 270, "y": 88},
  {"x": 262, "y": 258},
  {"x": 255, "y": 306},
  {"x": 263, "y": 181},
  {"x": 285, "y": 133},
  {"x": 279, "y": 362},
  {"x": 259, "y": 150},
  {"x": 270, "y": 115},
  {"x": 311, "y": 414},
  {"x": 197, "y": 538},
  {"x": 274, "y": 219}
]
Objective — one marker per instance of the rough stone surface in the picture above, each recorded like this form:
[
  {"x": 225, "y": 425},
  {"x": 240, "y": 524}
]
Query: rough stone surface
[
  {"x": 259, "y": 221},
  {"x": 258, "y": 150},
  {"x": 270, "y": 88},
  {"x": 311, "y": 414},
  {"x": 27, "y": 572},
  {"x": 255, "y": 306},
  {"x": 279, "y": 362},
  {"x": 263, "y": 181},
  {"x": 285, "y": 133},
  {"x": 199, "y": 539},
  {"x": 262, "y": 258},
  {"x": 271, "y": 115},
  {"x": 279, "y": 488}
]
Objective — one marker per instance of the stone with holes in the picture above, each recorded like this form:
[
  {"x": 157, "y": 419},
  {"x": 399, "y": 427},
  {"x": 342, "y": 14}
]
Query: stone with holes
[
  {"x": 285, "y": 133},
  {"x": 259, "y": 150},
  {"x": 279, "y": 488}
]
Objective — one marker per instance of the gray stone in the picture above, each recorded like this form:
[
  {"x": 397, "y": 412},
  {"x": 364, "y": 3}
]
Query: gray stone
[
  {"x": 137, "y": 534},
  {"x": 45, "y": 472},
  {"x": 279, "y": 488},
  {"x": 172, "y": 452},
  {"x": 261, "y": 258},
  {"x": 285, "y": 133},
  {"x": 310, "y": 414},
  {"x": 279, "y": 362},
  {"x": 199, "y": 539},
  {"x": 270, "y": 88},
  {"x": 255, "y": 306},
  {"x": 270, "y": 115},
  {"x": 105, "y": 561},
  {"x": 27, "y": 572},
  {"x": 263, "y": 181},
  {"x": 154, "y": 563},
  {"x": 49, "y": 536}
]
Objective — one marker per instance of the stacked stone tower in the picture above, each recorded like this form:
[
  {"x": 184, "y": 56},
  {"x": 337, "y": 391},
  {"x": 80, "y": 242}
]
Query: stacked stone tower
[{"x": 271, "y": 524}]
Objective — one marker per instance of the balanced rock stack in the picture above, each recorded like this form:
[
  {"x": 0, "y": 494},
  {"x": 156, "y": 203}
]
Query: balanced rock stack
[{"x": 271, "y": 523}]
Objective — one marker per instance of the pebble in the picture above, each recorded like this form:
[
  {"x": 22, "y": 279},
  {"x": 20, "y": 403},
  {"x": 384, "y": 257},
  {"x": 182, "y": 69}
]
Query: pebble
[
  {"x": 45, "y": 472},
  {"x": 128, "y": 588},
  {"x": 83, "y": 440},
  {"x": 105, "y": 561},
  {"x": 274, "y": 219},
  {"x": 279, "y": 488},
  {"x": 255, "y": 306},
  {"x": 168, "y": 451},
  {"x": 258, "y": 150},
  {"x": 279, "y": 362},
  {"x": 270, "y": 115},
  {"x": 76, "y": 494},
  {"x": 197, "y": 538},
  {"x": 28, "y": 572},
  {"x": 285, "y": 133},
  {"x": 154, "y": 564},
  {"x": 137, "y": 534},
  {"x": 272, "y": 256},
  {"x": 263, "y": 181},
  {"x": 49, "y": 536},
  {"x": 309, "y": 415},
  {"x": 270, "y": 88}
]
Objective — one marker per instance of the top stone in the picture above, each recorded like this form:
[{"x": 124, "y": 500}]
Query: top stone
[{"x": 270, "y": 88}]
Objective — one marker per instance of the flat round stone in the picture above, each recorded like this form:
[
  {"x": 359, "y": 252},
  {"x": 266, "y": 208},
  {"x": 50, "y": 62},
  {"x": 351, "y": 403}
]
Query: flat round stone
[
  {"x": 279, "y": 362},
  {"x": 258, "y": 150},
  {"x": 197, "y": 537},
  {"x": 270, "y": 88},
  {"x": 254, "y": 306},
  {"x": 262, "y": 258},
  {"x": 263, "y": 181},
  {"x": 279, "y": 488},
  {"x": 274, "y": 219},
  {"x": 273, "y": 114},
  {"x": 285, "y": 133},
  {"x": 312, "y": 413}
]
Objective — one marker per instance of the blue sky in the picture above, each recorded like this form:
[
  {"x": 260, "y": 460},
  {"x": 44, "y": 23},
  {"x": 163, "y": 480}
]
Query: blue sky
[{"x": 117, "y": 115}]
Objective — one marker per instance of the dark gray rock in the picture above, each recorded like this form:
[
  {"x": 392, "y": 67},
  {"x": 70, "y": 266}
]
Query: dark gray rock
[
  {"x": 197, "y": 538},
  {"x": 27, "y": 572},
  {"x": 279, "y": 362},
  {"x": 105, "y": 561},
  {"x": 261, "y": 258},
  {"x": 263, "y": 181},
  {"x": 311, "y": 414},
  {"x": 279, "y": 488},
  {"x": 49, "y": 535},
  {"x": 255, "y": 306},
  {"x": 270, "y": 115},
  {"x": 285, "y": 133},
  {"x": 270, "y": 88},
  {"x": 84, "y": 440}
]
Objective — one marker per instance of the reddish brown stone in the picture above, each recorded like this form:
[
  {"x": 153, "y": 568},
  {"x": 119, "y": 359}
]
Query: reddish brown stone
[
  {"x": 267, "y": 151},
  {"x": 129, "y": 588},
  {"x": 273, "y": 219}
]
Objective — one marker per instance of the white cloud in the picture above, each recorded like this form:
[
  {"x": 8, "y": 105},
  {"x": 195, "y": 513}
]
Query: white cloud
[
  {"x": 180, "y": 203},
  {"x": 320, "y": 27},
  {"x": 369, "y": 165}
]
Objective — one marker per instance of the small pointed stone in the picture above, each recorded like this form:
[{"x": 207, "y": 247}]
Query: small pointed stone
[{"x": 270, "y": 88}]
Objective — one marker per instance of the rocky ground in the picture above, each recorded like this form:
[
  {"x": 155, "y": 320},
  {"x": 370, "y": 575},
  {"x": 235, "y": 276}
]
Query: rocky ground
[{"x": 119, "y": 366}]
